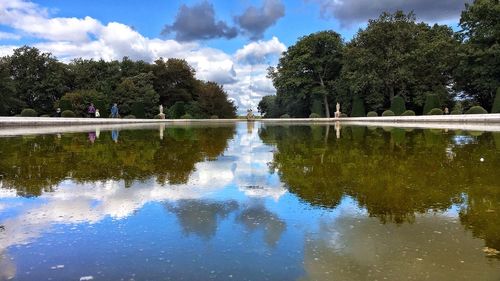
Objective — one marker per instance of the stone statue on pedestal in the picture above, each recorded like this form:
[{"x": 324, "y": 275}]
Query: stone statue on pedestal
[
  {"x": 337, "y": 113},
  {"x": 162, "y": 115}
]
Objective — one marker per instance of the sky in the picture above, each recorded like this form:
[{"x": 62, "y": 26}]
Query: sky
[{"x": 229, "y": 42}]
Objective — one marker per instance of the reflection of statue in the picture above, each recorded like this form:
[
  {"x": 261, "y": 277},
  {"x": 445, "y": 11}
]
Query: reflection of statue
[
  {"x": 337, "y": 129},
  {"x": 337, "y": 113},
  {"x": 250, "y": 126},
  {"x": 162, "y": 115},
  {"x": 250, "y": 116},
  {"x": 162, "y": 128}
]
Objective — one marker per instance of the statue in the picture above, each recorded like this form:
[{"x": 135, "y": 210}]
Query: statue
[
  {"x": 337, "y": 113},
  {"x": 161, "y": 115},
  {"x": 250, "y": 116}
]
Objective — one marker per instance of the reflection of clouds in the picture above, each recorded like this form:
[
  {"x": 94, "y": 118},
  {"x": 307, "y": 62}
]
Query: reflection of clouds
[
  {"x": 361, "y": 248},
  {"x": 201, "y": 217},
  {"x": 7, "y": 267},
  {"x": 257, "y": 217}
]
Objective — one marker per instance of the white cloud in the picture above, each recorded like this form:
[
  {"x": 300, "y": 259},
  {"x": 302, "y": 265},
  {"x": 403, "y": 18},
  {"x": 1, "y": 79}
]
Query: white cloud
[
  {"x": 243, "y": 73},
  {"x": 7, "y": 35}
]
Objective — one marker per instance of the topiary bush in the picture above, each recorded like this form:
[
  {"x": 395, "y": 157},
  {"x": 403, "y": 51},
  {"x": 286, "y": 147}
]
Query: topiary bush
[
  {"x": 28, "y": 112},
  {"x": 435, "y": 111},
  {"x": 496, "y": 104},
  {"x": 358, "y": 107},
  {"x": 137, "y": 110},
  {"x": 388, "y": 113},
  {"x": 431, "y": 101},
  {"x": 456, "y": 112},
  {"x": 130, "y": 116},
  {"x": 372, "y": 114},
  {"x": 68, "y": 113},
  {"x": 285, "y": 116},
  {"x": 45, "y": 115},
  {"x": 187, "y": 116},
  {"x": 398, "y": 105},
  {"x": 476, "y": 110},
  {"x": 343, "y": 115},
  {"x": 214, "y": 117},
  {"x": 408, "y": 113},
  {"x": 314, "y": 115}
]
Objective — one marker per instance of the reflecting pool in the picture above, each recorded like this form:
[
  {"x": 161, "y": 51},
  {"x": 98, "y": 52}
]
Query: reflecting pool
[{"x": 250, "y": 201}]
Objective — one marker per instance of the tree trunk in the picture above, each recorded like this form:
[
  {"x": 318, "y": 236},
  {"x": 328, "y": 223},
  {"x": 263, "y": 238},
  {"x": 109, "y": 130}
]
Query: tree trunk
[{"x": 325, "y": 99}]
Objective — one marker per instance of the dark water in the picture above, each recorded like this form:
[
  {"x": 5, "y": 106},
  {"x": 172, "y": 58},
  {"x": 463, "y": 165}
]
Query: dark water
[{"x": 251, "y": 202}]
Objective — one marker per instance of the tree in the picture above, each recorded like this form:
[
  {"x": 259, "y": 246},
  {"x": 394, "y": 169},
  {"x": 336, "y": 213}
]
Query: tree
[
  {"x": 9, "y": 103},
  {"x": 394, "y": 55},
  {"x": 174, "y": 81},
  {"x": 213, "y": 100},
  {"x": 269, "y": 108},
  {"x": 38, "y": 78},
  {"x": 307, "y": 71},
  {"x": 478, "y": 74},
  {"x": 137, "y": 89}
]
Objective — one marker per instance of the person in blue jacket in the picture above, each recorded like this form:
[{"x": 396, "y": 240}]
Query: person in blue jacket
[{"x": 114, "y": 111}]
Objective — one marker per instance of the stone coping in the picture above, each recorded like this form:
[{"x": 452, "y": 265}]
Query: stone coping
[{"x": 44, "y": 121}]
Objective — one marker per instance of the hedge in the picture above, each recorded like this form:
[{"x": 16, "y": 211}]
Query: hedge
[
  {"x": 435, "y": 111},
  {"x": 476, "y": 110},
  {"x": 388, "y": 113},
  {"x": 68, "y": 113},
  {"x": 28, "y": 112},
  {"x": 372, "y": 114},
  {"x": 398, "y": 105}
]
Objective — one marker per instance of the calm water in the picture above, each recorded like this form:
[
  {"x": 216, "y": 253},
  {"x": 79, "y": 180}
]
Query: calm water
[{"x": 251, "y": 202}]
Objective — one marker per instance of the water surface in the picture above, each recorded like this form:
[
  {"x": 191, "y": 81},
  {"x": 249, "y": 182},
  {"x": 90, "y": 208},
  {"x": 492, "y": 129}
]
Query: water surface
[{"x": 251, "y": 202}]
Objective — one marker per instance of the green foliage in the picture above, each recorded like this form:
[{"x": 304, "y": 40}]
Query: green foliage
[
  {"x": 398, "y": 105},
  {"x": 307, "y": 71},
  {"x": 130, "y": 116},
  {"x": 177, "y": 110},
  {"x": 68, "y": 113},
  {"x": 435, "y": 111},
  {"x": 476, "y": 110},
  {"x": 285, "y": 116},
  {"x": 269, "y": 107},
  {"x": 496, "y": 104},
  {"x": 314, "y": 115},
  {"x": 408, "y": 113},
  {"x": 343, "y": 115},
  {"x": 138, "y": 110},
  {"x": 317, "y": 106},
  {"x": 388, "y": 113},
  {"x": 45, "y": 115},
  {"x": 214, "y": 117},
  {"x": 431, "y": 101},
  {"x": 372, "y": 114},
  {"x": 186, "y": 116},
  {"x": 65, "y": 103},
  {"x": 395, "y": 55},
  {"x": 478, "y": 74},
  {"x": 29, "y": 112},
  {"x": 358, "y": 107},
  {"x": 212, "y": 100},
  {"x": 456, "y": 112}
]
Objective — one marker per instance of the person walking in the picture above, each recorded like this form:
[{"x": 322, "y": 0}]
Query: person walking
[
  {"x": 91, "y": 110},
  {"x": 114, "y": 111}
]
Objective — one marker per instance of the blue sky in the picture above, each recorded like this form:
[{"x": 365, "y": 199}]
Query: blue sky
[{"x": 230, "y": 42}]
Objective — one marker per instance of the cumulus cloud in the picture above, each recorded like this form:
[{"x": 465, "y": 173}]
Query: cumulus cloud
[
  {"x": 256, "y": 20},
  {"x": 199, "y": 22},
  {"x": 258, "y": 52},
  {"x": 350, "y": 12},
  {"x": 7, "y": 35}
]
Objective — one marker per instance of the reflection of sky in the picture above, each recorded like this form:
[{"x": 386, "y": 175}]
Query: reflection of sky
[{"x": 232, "y": 220}]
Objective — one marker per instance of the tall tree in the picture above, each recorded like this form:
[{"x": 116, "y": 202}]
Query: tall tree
[
  {"x": 394, "y": 55},
  {"x": 478, "y": 74},
  {"x": 213, "y": 100},
  {"x": 307, "y": 70},
  {"x": 174, "y": 81},
  {"x": 38, "y": 78},
  {"x": 9, "y": 103}
]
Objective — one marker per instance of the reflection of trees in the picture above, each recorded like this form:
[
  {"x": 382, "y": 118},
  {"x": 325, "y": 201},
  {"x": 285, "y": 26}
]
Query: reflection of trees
[
  {"x": 201, "y": 217},
  {"x": 360, "y": 248},
  {"x": 37, "y": 163},
  {"x": 393, "y": 173}
]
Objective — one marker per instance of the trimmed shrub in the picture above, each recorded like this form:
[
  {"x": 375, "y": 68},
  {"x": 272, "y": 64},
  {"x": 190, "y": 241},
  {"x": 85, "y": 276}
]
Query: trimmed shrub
[
  {"x": 431, "y": 101},
  {"x": 187, "y": 116},
  {"x": 358, "y": 107},
  {"x": 68, "y": 113},
  {"x": 214, "y": 117},
  {"x": 28, "y": 112},
  {"x": 496, "y": 104},
  {"x": 388, "y": 113},
  {"x": 435, "y": 111},
  {"x": 476, "y": 110},
  {"x": 372, "y": 114},
  {"x": 398, "y": 105},
  {"x": 138, "y": 110},
  {"x": 343, "y": 115},
  {"x": 130, "y": 116},
  {"x": 65, "y": 104},
  {"x": 285, "y": 116},
  {"x": 45, "y": 115},
  {"x": 314, "y": 115},
  {"x": 456, "y": 112},
  {"x": 408, "y": 113}
]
